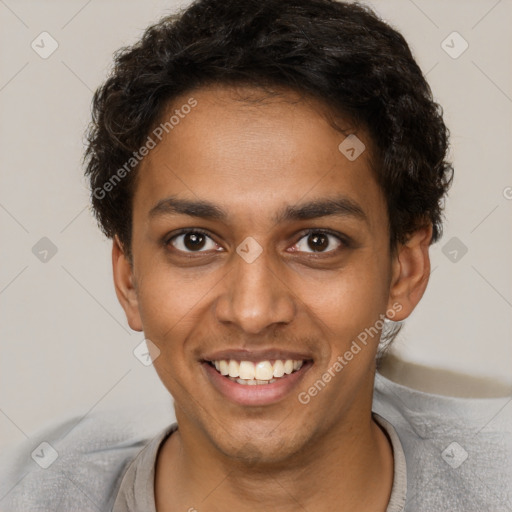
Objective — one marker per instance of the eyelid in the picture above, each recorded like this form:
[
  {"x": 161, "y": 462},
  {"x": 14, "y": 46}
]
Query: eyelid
[{"x": 185, "y": 231}]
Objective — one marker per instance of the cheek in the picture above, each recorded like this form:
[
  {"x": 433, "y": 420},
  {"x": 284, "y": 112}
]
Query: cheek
[
  {"x": 355, "y": 292},
  {"x": 169, "y": 301},
  {"x": 169, "y": 307},
  {"x": 166, "y": 289},
  {"x": 349, "y": 302}
]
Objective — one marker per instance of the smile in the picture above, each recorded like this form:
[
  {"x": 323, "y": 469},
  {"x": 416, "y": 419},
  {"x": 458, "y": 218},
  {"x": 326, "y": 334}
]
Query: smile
[
  {"x": 256, "y": 373},
  {"x": 256, "y": 380}
]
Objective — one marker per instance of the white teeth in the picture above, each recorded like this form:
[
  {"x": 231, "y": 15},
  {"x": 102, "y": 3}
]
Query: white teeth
[
  {"x": 247, "y": 370},
  {"x": 262, "y": 372},
  {"x": 224, "y": 367},
  {"x": 278, "y": 368},
  {"x": 233, "y": 368},
  {"x": 252, "y": 382}
]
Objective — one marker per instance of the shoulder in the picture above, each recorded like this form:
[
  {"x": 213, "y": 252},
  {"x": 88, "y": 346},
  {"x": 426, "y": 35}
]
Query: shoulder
[
  {"x": 458, "y": 451},
  {"x": 78, "y": 463}
]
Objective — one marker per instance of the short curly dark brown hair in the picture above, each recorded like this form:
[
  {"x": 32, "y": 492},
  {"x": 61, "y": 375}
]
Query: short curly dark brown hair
[{"x": 340, "y": 53}]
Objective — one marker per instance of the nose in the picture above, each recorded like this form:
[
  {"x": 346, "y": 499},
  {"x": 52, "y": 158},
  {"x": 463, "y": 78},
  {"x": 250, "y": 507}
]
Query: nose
[{"x": 255, "y": 296}]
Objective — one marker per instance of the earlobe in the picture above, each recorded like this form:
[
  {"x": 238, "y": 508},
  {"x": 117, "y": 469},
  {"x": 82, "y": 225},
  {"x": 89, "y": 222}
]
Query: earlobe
[
  {"x": 125, "y": 285},
  {"x": 410, "y": 273}
]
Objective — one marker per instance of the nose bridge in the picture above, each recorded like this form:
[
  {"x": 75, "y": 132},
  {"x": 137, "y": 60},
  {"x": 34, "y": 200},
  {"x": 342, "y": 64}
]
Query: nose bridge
[{"x": 254, "y": 297}]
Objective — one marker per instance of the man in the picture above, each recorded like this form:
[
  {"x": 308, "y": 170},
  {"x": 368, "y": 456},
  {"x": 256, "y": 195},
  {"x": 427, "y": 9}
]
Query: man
[{"x": 271, "y": 174}]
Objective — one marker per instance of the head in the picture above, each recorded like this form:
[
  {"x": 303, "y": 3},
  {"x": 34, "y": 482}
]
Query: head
[{"x": 272, "y": 174}]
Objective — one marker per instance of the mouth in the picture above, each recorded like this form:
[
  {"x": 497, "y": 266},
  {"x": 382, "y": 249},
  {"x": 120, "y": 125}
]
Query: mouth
[
  {"x": 256, "y": 381},
  {"x": 256, "y": 373}
]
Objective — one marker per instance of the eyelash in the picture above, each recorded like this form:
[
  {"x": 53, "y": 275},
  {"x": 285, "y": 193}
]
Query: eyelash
[{"x": 344, "y": 241}]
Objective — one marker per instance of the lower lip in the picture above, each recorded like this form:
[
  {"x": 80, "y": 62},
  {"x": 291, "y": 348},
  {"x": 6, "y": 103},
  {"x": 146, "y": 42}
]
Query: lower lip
[{"x": 258, "y": 394}]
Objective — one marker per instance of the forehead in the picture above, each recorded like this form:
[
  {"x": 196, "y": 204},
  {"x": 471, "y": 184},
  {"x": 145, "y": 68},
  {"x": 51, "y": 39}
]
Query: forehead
[{"x": 250, "y": 152}]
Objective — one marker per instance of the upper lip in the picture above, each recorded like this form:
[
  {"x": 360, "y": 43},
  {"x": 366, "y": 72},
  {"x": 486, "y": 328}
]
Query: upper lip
[{"x": 255, "y": 355}]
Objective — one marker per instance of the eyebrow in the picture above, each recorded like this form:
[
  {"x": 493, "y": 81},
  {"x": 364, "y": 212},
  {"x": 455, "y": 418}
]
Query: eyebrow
[{"x": 340, "y": 206}]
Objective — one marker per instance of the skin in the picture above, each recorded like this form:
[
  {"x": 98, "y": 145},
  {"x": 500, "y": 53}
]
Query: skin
[{"x": 252, "y": 159}]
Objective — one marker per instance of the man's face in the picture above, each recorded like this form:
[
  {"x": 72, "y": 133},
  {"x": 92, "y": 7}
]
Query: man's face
[{"x": 260, "y": 283}]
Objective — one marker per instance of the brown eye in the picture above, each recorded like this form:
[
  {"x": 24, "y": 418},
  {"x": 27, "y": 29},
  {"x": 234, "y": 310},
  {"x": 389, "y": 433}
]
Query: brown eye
[
  {"x": 319, "y": 241},
  {"x": 192, "y": 241}
]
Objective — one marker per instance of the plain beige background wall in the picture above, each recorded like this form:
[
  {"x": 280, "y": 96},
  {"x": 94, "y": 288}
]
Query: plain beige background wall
[{"x": 65, "y": 344}]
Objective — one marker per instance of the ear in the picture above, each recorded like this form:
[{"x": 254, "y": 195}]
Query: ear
[
  {"x": 124, "y": 283},
  {"x": 410, "y": 273}
]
